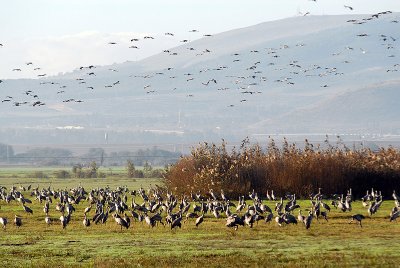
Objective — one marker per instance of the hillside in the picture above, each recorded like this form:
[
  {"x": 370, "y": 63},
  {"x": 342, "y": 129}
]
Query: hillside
[{"x": 324, "y": 74}]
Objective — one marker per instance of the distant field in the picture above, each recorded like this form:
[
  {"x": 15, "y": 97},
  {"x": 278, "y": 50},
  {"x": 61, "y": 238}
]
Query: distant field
[
  {"x": 25, "y": 171},
  {"x": 86, "y": 183},
  {"x": 326, "y": 244}
]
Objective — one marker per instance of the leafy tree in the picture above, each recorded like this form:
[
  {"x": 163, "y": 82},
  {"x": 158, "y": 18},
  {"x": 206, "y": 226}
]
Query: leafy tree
[
  {"x": 93, "y": 169},
  {"x": 130, "y": 168},
  {"x": 77, "y": 170},
  {"x": 61, "y": 174},
  {"x": 147, "y": 167}
]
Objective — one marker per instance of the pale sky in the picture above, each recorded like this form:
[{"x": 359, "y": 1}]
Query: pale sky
[{"x": 60, "y": 35}]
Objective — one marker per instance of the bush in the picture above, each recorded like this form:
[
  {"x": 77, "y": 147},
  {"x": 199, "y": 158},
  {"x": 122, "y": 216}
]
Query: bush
[
  {"x": 89, "y": 172},
  {"x": 130, "y": 169},
  {"x": 154, "y": 173},
  {"x": 38, "y": 175},
  {"x": 101, "y": 175},
  {"x": 139, "y": 174},
  {"x": 285, "y": 170},
  {"x": 61, "y": 174}
]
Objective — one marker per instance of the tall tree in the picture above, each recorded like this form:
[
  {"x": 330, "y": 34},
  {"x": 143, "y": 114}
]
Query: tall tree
[{"x": 130, "y": 169}]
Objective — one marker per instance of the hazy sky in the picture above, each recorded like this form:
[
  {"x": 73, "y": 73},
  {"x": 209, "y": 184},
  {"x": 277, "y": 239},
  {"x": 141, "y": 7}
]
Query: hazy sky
[{"x": 60, "y": 35}]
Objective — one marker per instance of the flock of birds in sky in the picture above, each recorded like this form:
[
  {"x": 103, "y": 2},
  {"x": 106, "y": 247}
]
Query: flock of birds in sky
[
  {"x": 251, "y": 83},
  {"x": 159, "y": 208}
]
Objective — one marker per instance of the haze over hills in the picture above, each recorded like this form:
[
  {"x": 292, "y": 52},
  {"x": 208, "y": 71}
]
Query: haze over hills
[{"x": 312, "y": 74}]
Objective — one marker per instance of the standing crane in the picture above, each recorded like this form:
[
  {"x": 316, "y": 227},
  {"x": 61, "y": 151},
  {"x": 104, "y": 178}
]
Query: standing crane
[
  {"x": 120, "y": 221},
  {"x": 300, "y": 217},
  {"x": 18, "y": 221},
  {"x": 3, "y": 221},
  {"x": 64, "y": 221},
  {"x": 199, "y": 220},
  {"x": 177, "y": 223},
  {"x": 86, "y": 221},
  {"x": 46, "y": 208},
  {"x": 393, "y": 217},
  {"x": 308, "y": 219},
  {"x": 47, "y": 220}
]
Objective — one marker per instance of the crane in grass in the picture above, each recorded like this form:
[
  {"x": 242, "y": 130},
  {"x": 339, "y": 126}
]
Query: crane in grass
[
  {"x": 47, "y": 220},
  {"x": 358, "y": 218},
  {"x": 27, "y": 209},
  {"x": 177, "y": 222},
  {"x": 86, "y": 221},
  {"x": 300, "y": 217},
  {"x": 63, "y": 221},
  {"x": 3, "y": 221},
  {"x": 199, "y": 220},
  {"x": 87, "y": 209},
  {"x": 308, "y": 220},
  {"x": 120, "y": 221},
  {"x": 127, "y": 220},
  {"x": 269, "y": 217},
  {"x": 46, "y": 208},
  {"x": 395, "y": 215},
  {"x": 17, "y": 221},
  {"x": 149, "y": 221},
  {"x": 234, "y": 221}
]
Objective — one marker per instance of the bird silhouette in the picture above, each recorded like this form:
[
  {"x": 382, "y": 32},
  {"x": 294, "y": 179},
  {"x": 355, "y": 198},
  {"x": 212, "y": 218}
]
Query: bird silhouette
[
  {"x": 358, "y": 218},
  {"x": 348, "y": 7}
]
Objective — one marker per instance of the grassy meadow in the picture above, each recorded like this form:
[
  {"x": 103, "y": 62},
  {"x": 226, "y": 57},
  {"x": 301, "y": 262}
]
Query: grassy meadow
[{"x": 325, "y": 244}]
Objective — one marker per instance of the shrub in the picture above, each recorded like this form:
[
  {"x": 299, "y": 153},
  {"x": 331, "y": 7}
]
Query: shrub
[
  {"x": 101, "y": 175},
  {"x": 285, "y": 170},
  {"x": 154, "y": 173},
  {"x": 139, "y": 174},
  {"x": 61, "y": 174},
  {"x": 38, "y": 175}
]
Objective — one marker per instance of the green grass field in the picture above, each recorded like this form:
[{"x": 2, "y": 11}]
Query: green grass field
[{"x": 325, "y": 244}]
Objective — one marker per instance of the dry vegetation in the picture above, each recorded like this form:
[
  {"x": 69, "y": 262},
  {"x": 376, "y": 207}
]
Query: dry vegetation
[{"x": 335, "y": 168}]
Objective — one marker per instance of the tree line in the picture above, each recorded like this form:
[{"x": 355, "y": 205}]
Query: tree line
[
  {"x": 92, "y": 170},
  {"x": 63, "y": 157}
]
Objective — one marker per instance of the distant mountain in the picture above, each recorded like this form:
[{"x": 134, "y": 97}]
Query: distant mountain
[{"x": 324, "y": 74}]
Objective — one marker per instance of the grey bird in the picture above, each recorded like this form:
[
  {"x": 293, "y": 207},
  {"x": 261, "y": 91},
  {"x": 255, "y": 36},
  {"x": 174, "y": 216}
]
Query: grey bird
[
  {"x": 395, "y": 216},
  {"x": 307, "y": 220},
  {"x": 18, "y": 221},
  {"x": 199, "y": 220},
  {"x": 86, "y": 221},
  {"x": 47, "y": 220},
  {"x": 3, "y": 221},
  {"x": 357, "y": 217}
]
